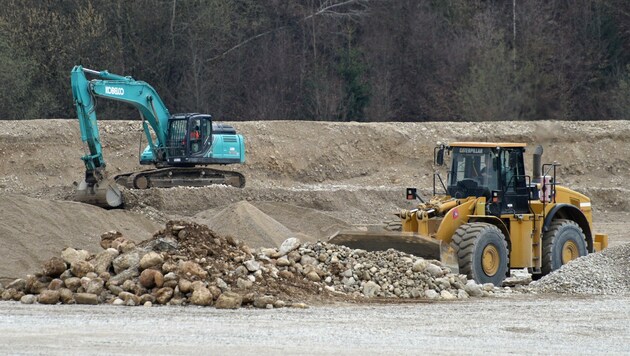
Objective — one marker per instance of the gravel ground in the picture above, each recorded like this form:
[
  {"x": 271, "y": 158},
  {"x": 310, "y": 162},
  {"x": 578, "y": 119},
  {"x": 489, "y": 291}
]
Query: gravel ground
[{"x": 515, "y": 325}]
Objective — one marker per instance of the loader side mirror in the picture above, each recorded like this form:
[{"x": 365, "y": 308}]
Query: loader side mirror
[
  {"x": 439, "y": 156},
  {"x": 412, "y": 193}
]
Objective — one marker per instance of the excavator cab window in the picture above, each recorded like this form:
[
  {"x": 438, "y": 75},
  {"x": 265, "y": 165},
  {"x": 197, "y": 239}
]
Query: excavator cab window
[
  {"x": 200, "y": 134},
  {"x": 177, "y": 137}
]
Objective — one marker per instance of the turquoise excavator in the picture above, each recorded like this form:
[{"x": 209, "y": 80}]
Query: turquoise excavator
[{"x": 180, "y": 146}]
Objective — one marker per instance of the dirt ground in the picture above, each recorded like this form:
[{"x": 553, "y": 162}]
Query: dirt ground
[{"x": 305, "y": 179}]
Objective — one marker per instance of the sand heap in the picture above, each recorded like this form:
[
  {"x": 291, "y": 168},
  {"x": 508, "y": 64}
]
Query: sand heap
[{"x": 186, "y": 263}]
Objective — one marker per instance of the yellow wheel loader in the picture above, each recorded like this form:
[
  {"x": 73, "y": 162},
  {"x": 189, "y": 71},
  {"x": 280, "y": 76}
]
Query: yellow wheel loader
[{"x": 492, "y": 216}]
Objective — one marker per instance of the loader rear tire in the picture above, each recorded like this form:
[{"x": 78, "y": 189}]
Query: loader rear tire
[
  {"x": 563, "y": 242},
  {"x": 482, "y": 252}
]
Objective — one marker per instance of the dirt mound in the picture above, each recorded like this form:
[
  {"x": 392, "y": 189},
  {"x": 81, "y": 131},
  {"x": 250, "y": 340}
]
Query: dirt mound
[
  {"x": 268, "y": 224},
  {"x": 605, "y": 272},
  {"x": 305, "y": 221},
  {"x": 246, "y": 222},
  {"x": 33, "y": 230}
]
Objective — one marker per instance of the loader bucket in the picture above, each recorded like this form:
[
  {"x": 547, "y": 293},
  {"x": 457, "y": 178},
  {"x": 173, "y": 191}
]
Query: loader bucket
[
  {"x": 104, "y": 193},
  {"x": 408, "y": 242}
]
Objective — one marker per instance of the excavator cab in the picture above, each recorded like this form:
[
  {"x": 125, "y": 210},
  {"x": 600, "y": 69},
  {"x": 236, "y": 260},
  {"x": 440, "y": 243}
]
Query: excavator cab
[{"x": 189, "y": 135}]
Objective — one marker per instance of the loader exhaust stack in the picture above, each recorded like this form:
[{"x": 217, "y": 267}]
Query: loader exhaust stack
[{"x": 537, "y": 165}]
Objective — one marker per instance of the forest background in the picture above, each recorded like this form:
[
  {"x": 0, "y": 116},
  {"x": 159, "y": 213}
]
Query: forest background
[{"x": 338, "y": 60}]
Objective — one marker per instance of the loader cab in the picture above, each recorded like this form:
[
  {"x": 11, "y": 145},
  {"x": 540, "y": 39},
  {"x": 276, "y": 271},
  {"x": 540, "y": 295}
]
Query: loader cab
[
  {"x": 492, "y": 170},
  {"x": 474, "y": 172}
]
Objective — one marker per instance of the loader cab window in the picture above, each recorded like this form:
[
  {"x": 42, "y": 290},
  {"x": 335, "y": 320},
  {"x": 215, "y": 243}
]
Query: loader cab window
[
  {"x": 473, "y": 172},
  {"x": 514, "y": 193},
  {"x": 512, "y": 169}
]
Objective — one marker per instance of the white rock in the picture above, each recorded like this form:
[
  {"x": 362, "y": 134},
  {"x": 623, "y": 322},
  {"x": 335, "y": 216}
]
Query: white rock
[
  {"x": 434, "y": 270},
  {"x": 289, "y": 245},
  {"x": 447, "y": 295},
  {"x": 370, "y": 289},
  {"x": 252, "y": 265},
  {"x": 431, "y": 294}
]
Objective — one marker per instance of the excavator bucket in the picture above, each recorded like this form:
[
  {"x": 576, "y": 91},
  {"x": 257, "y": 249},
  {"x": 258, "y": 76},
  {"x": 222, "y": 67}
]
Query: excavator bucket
[
  {"x": 104, "y": 193},
  {"x": 411, "y": 243}
]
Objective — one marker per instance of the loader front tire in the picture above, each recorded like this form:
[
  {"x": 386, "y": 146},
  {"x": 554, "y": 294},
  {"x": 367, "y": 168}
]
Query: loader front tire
[
  {"x": 563, "y": 242},
  {"x": 482, "y": 252}
]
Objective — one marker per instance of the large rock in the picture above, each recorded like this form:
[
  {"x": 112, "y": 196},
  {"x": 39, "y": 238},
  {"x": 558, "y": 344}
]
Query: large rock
[
  {"x": 185, "y": 286},
  {"x": 150, "y": 278},
  {"x": 264, "y": 301},
  {"x": 151, "y": 259},
  {"x": 66, "y": 296},
  {"x": 163, "y": 295},
  {"x": 473, "y": 289},
  {"x": 191, "y": 270},
  {"x": 34, "y": 285},
  {"x": 71, "y": 255},
  {"x": 370, "y": 289},
  {"x": 201, "y": 296},
  {"x": 434, "y": 271},
  {"x": 130, "y": 299},
  {"x": 288, "y": 245},
  {"x": 48, "y": 297},
  {"x": 252, "y": 265},
  {"x": 56, "y": 284},
  {"x": 72, "y": 283},
  {"x": 54, "y": 267},
  {"x": 283, "y": 262},
  {"x": 244, "y": 283},
  {"x": 313, "y": 276},
  {"x": 229, "y": 300},
  {"x": 420, "y": 265},
  {"x": 28, "y": 299},
  {"x": 126, "y": 261},
  {"x": 446, "y": 295},
  {"x": 80, "y": 268},
  {"x": 86, "y": 298},
  {"x": 18, "y": 284},
  {"x": 103, "y": 261},
  {"x": 127, "y": 274},
  {"x": 95, "y": 286}
]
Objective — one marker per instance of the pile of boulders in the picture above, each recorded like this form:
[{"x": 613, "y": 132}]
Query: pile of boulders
[
  {"x": 360, "y": 273},
  {"x": 187, "y": 264}
]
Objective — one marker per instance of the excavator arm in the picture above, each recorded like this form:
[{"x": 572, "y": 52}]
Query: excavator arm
[{"x": 110, "y": 86}]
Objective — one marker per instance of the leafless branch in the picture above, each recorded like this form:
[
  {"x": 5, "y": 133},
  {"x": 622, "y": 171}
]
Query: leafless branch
[{"x": 325, "y": 10}]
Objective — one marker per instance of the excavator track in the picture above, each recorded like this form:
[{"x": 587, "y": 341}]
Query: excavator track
[{"x": 179, "y": 177}]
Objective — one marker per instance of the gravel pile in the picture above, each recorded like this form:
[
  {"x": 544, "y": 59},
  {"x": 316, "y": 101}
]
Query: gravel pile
[
  {"x": 605, "y": 272},
  {"x": 188, "y": 264}
]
